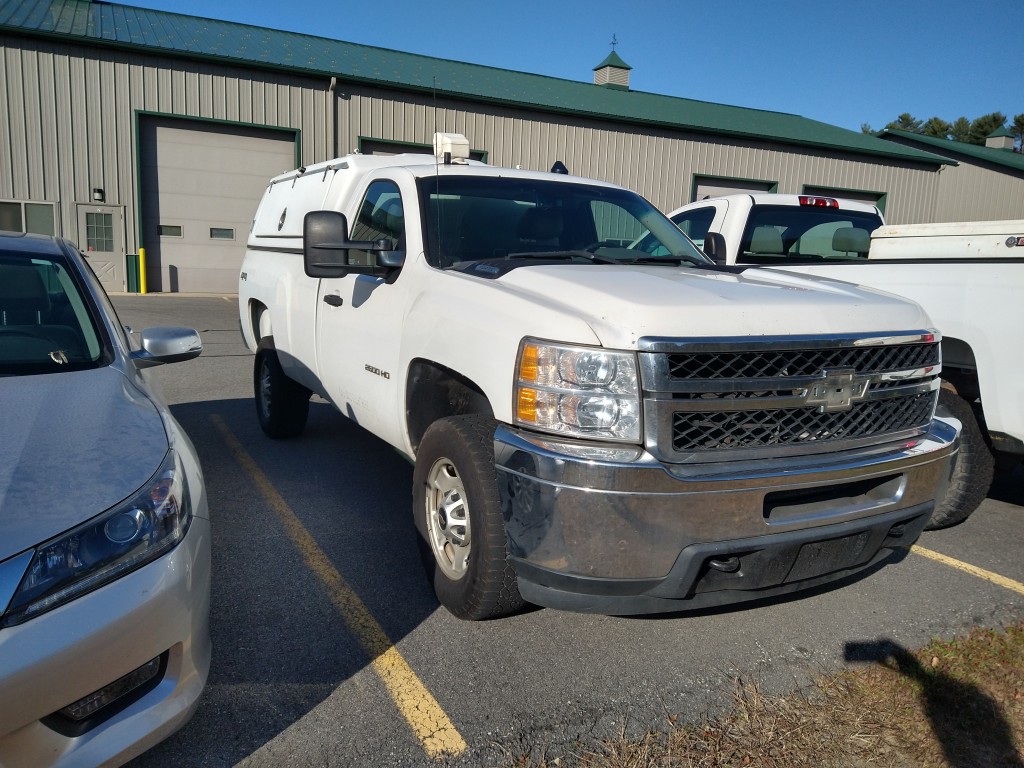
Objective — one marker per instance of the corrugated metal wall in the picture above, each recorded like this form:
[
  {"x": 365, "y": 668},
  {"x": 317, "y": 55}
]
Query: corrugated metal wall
[
  {"x": 970, "y": 192},
  {"x": 72, "y": 115},
  {"x": 658, "y": 164}
]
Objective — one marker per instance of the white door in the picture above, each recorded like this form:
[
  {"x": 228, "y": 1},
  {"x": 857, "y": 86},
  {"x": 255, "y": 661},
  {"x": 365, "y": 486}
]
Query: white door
[
  {"x": 101, "y": 238},
  {"x": 360, "y": 320}
]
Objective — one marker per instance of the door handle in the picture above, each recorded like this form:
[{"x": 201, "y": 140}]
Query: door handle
[{"x": 334, "y": 299}]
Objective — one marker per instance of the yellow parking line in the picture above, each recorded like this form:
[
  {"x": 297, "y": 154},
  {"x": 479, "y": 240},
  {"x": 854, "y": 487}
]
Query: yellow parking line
[
  {"x": 428, "y": 721},
  {"x": 981, "y": 573}
]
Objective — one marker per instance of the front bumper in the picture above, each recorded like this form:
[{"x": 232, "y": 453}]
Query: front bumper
[
  {"x": 612, "y": 530},
  {"x": 160, "y": 610}
]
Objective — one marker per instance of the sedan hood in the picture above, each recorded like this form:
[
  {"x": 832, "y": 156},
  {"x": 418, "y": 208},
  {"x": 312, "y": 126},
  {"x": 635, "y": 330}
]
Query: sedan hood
[
  {"x": 71, "y": 446},
  {"x": 625, "y": 303}
]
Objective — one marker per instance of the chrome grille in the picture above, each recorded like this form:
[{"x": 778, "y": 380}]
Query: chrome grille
[
  {"x": 720, "y": 430},
  {"x": 804, "y": 362},
  {"x": 740, "y": 398}
]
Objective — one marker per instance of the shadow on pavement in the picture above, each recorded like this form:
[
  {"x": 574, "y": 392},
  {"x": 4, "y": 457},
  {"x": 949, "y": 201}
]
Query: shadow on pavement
[{"x": 279, "y": 645}]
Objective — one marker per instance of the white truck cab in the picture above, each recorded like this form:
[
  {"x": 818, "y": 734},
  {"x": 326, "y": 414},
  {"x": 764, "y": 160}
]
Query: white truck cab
[{"x": 593, "y": 427}]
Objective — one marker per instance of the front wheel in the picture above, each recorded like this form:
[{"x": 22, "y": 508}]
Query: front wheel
[
  {"x": 458, "y": 515},
  {"x": 282, "y": 404},
  {"x": 972, "y": 473}
]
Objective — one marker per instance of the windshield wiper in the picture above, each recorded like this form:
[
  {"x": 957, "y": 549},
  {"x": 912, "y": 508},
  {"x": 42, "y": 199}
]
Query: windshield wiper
[
  {"x": 588, "y": 255},
  {"x": 677, "y": 261}
]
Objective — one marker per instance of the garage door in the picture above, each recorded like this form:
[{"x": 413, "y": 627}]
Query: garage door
[
  {"x": 715, "y": 186},
  {"x": 201, "y": 184}
]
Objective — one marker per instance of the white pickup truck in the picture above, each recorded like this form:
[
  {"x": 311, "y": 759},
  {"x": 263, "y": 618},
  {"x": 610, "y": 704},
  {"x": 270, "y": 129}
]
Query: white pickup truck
[
  {"x": 968, "y": 276},
  {"x": 593, "y": 428}
]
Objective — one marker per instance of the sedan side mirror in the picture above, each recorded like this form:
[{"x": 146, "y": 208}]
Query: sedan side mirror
[{"x": 166, "y": 345}]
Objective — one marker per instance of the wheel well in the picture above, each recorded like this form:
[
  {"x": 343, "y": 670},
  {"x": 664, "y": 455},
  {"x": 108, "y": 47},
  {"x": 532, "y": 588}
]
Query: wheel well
[
  {"x": 435, "y": 392},
  {"x": 259, "y": 321},
  {"x": 960, "y": 369}
]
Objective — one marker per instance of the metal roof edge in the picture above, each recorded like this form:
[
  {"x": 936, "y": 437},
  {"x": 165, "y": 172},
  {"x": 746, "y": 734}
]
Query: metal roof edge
[
  {"x": 911, "y": 155},
  {"x": 973, "y": 151}
]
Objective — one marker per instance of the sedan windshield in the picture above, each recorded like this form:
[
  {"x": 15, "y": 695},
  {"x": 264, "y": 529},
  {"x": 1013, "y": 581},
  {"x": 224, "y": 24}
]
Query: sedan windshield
[
  {"x": 45, "y": 323},
  {"x": 483, "y": 218}
]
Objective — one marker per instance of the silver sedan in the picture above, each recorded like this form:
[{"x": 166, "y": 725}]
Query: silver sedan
[{"x": 104, "y": 527}]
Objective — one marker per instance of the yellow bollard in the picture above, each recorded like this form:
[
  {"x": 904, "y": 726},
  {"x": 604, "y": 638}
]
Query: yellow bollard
[{"x": 142, "y": 270}]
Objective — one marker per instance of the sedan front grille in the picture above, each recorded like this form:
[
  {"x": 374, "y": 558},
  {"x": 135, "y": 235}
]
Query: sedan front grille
[{"x": 739, "y": 399}]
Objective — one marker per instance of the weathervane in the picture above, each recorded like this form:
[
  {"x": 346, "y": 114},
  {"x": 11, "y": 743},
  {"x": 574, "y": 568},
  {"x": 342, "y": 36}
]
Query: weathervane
[{"x": 614, "y": 41}]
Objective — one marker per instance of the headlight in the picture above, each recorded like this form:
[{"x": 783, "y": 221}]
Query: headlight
[
  {"x": 107, "y": 547},
  {"x": 580, "y": 391}
]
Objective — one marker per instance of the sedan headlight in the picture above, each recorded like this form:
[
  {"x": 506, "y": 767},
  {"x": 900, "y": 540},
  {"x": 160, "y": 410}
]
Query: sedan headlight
[
  {"x": 107, "y": 547},
  {"x": 583, "y": 392}
]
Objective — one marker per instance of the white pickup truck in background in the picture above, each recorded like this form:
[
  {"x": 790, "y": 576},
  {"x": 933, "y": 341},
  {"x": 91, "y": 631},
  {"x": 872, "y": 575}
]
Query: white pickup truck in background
[
  {"x": 968, "y": 276},
  {"x": 592, "y": 427}
]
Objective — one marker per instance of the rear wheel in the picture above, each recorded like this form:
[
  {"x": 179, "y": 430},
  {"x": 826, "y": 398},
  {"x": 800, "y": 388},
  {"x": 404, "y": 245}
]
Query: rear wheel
[
  {"x": 972, "y": 474},
  {"x": 282, "y": 404},
  {"x": 458, "y": 514}
]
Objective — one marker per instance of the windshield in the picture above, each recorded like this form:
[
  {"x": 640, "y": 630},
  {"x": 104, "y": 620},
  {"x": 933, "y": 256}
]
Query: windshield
[
  {"x": 45, "y": 322},
  {"x": 480, "y": 218}
]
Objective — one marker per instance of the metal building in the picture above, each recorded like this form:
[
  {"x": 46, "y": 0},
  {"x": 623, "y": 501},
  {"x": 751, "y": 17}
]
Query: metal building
[
  {"x": 129, "y": 128},
  {"x": 987, "y": 182}
]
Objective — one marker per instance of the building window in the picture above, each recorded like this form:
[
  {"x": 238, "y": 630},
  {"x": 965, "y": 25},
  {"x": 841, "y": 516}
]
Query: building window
[
  {"x": 99, "y": 231},
  {"x": 222, "y": 233},
  {"x": 170, "y": 230},
  {"x": 16, "y": 216}
]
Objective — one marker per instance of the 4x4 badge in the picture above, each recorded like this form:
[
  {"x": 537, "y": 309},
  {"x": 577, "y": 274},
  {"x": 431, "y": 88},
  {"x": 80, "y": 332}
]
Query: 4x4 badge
[{"x": 837, "y": 390}]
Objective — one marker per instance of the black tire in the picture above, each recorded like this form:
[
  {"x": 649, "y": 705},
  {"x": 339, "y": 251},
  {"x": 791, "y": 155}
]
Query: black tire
[
  {"x": 458, "y": 515},
  {"x": 972, "y": 474},
  {"x": 282, "y": 404}
]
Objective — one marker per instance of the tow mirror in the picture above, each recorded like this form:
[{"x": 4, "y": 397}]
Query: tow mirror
[
  {"x": 328, "y": 252},
  {"x": 714, "y": 247}
]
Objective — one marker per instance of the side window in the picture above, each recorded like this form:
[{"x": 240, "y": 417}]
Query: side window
[
  {"x": 381, "y": 217},
  {"x": 696, "y": 223}
]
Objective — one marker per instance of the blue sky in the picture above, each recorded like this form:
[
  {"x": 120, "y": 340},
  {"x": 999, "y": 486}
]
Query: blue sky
[{"x": 844, "y": 62}]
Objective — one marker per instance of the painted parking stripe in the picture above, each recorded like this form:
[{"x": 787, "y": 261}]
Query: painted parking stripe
[
  {"x": 428, "y": 721},
  {"x": 981, "y": 573}
]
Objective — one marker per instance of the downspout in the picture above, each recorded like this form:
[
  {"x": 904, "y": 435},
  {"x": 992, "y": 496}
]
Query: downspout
[{"x": 333, "y": 127}]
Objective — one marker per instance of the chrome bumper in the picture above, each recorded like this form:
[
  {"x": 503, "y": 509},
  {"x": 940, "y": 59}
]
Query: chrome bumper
[{"x": 612, "y": 530}]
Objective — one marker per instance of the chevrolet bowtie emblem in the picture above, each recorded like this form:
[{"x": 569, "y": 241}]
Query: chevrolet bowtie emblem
[{"x": 837, "y": 390}]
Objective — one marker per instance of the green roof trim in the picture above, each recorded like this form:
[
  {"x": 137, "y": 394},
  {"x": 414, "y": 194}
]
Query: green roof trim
[
  {"x": 192, "y": 37},
  {"x": 1003, "y": 157},
  {"x": 612, "y": 60}
]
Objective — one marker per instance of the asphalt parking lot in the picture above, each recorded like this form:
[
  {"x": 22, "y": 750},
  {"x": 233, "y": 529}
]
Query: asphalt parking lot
[{"x": 330, "y": 647}]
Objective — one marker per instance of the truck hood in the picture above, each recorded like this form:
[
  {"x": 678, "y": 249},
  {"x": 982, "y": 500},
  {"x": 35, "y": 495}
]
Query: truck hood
[
  {"x": 73, "y": 445},
  {"x": 625, "y": 303}
]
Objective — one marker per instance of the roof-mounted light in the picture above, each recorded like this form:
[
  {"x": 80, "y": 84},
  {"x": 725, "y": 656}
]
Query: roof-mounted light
[
  {"x": 819, "y": 202},
  {"x": 451, "y": 148}
]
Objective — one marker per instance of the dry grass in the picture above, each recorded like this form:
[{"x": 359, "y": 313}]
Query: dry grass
[{"x": 953, "y": 703}]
